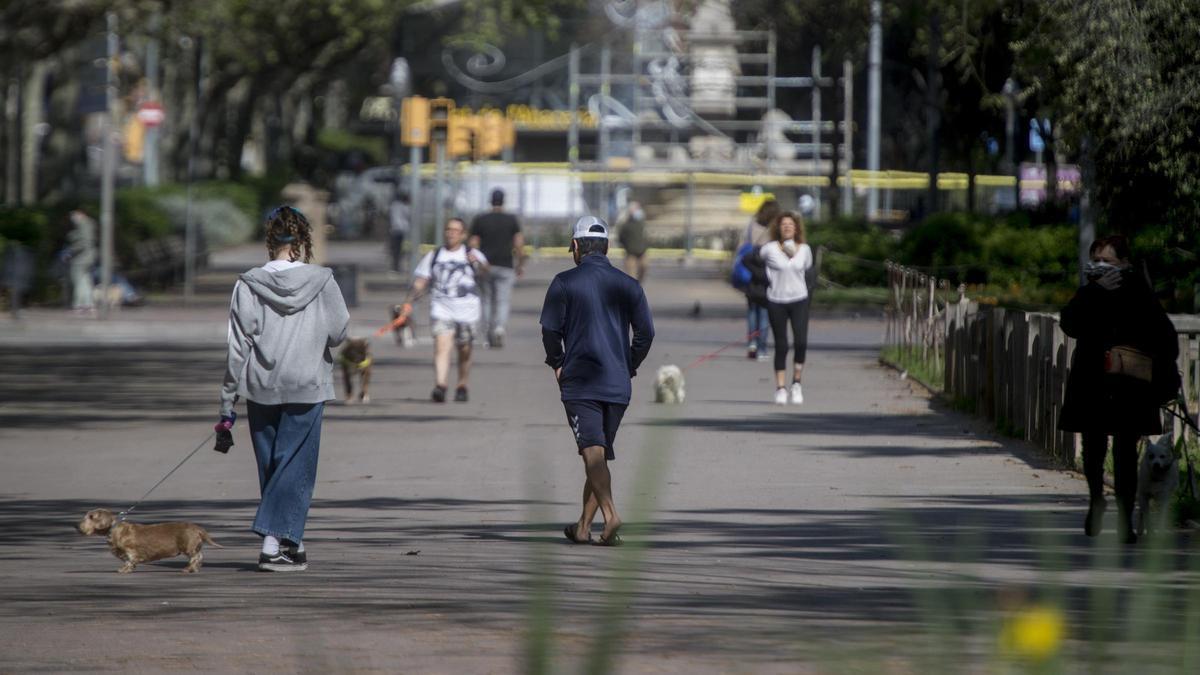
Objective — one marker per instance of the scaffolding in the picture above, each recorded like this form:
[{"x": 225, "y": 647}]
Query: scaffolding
[{"x": 666, "y": 116}]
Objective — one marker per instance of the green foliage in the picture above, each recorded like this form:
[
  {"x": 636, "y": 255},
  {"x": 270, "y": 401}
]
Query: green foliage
[
  {"x": 1005, "y": 253},
  {"x": 497, "y": 22},
  {"x": 855, "y": 251},
  {"x": 24, "y": 225},
  {"x": 226, "y": 212},
  {"x": 1170, "y": 253},
  {"x": 946, "y": 241},
  {"x": 923, "y": 368},
  {"x": 341, "y": 142},
  {"x": 1123, "y": 80},
  {"x": 138, "y": 216},
  {"x": 1030, "y": 256}
]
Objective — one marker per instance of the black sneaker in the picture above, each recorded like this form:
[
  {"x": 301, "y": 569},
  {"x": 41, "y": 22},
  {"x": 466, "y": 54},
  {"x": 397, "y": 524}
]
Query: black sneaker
[
  {"x": 439, "y": 394},
  {"x": 299, "y": 556},
  {"x": 496, "y": 341},
  {"x": 284, "y": 561},
  {"x": 460, "y": 394}
]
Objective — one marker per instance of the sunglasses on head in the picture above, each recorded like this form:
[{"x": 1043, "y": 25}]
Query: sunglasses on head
[{"x": 278, "y": 210}]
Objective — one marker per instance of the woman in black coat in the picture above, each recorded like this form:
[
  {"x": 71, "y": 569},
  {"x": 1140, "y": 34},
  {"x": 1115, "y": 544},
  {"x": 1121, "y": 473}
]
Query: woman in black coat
[{"x": 1114, "y": 308}]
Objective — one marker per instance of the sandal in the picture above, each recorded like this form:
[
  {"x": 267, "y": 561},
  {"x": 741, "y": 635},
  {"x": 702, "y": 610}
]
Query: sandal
[
  {"x": 569, "y": 531},
  {"x": 613, "y": 540}
]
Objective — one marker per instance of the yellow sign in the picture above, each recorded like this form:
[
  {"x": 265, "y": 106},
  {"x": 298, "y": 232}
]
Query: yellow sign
[
  {"x": 748, "y": 202},
  {"x": 523, "y": 117}
]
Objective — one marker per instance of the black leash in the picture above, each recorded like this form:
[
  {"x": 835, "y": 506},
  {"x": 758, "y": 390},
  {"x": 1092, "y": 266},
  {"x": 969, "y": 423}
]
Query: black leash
[
  {"x": 121, "y": 515},
  {"x": 1189, "y": 422}
]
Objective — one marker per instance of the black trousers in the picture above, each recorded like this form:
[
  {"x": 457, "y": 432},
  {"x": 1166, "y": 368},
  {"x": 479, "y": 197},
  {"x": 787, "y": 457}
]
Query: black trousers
[
  {"x": 396, "y": 248},
  {"x": 1125, "y": 467},
  {"x": 780, "y": 315}
]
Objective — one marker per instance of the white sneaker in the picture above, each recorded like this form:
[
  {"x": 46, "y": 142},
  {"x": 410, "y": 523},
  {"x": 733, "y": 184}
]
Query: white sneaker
[
  {"x": 781, "y": 396},
  {"x": 797, "y": 395}
]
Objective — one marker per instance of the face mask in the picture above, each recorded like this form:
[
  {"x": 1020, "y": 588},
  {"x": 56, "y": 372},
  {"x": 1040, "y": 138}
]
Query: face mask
[
  {"x": 637, "y": 215},
  {"x": 1095, "y": 270}
]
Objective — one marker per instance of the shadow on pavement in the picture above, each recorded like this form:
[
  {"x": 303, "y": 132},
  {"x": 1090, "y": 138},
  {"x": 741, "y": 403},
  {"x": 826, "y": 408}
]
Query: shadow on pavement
[{"x": 470, "y": 571}]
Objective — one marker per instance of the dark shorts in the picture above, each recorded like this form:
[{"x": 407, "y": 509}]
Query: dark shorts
[{"x": 595, "y": 423}]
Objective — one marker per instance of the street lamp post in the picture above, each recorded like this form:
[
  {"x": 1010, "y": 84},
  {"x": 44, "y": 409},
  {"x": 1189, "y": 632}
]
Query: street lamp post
[
  {"x": 108, "y": 172},
  {"x": 1010, "y": 92}
]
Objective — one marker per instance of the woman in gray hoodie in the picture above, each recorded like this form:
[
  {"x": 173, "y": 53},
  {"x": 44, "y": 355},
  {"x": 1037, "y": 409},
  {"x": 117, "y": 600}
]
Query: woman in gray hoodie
[{"x": 284, "y": 319}]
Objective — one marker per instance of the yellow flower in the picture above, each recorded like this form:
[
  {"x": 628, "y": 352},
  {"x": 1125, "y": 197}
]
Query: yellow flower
[{"x": 1033, "y": 633}]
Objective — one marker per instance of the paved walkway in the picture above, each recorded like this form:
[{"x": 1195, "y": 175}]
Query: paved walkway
[{"x": 776, "y": 536}]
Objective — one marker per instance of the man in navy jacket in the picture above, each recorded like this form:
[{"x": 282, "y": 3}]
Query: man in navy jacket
[{"x": 586, "y": 321}]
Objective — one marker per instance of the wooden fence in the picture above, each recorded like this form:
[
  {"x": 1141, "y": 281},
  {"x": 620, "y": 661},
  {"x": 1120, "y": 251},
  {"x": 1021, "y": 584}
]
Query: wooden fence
[
  {"x": 1012, "y": 367},
  {"x": 916, "y": 314},
  {"x": 1006, "y": 365}
]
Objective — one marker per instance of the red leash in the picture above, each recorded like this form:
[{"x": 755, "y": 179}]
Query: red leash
[
  {"x": 712, "y": 355},
  {"x": 398, "y": 322}
]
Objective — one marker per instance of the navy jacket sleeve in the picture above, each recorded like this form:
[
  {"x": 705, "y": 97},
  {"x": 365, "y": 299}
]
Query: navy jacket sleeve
[
  {"x": 554, "y": 315},
  {"x": 643, "y": 332}
]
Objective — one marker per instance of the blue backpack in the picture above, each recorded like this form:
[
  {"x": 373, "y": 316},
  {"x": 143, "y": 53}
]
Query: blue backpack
[{"x": 740, "y": 276}]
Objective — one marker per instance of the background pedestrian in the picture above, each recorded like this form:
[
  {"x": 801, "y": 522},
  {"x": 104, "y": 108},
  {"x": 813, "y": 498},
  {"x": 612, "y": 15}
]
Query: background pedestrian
[
  {"x": 399, "y": 225},
  {"x": 453, "y": 273},
  {"x": 757, "y": 320},
  {"x": 787, "y": 259},
  {"x": 631, "y": 233},
  {"x": 498, "y": 235},
  {"x": 1114, "y": 309}
]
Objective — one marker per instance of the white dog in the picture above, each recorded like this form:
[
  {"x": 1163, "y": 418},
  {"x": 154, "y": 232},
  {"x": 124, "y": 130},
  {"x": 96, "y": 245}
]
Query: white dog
[
  {"x": 1158, "y": 477},
  {"x": 668, "y": 385}
]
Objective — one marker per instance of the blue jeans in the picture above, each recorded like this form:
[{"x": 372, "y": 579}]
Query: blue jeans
[
  {"x": 495, "y": 294},
  {"x": 756, "y": 320},
  {"x": 286, "y": 441}
]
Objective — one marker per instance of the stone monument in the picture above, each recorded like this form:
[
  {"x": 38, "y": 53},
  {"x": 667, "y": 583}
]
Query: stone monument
[{"x": 712, "y": 44}]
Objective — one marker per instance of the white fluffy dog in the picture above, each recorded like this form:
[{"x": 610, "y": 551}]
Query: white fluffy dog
[
  {"x": 668, "y": 385},
  {"x": 1158, "y": 477}
]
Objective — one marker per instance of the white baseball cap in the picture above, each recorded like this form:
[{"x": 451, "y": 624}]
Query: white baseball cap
[{"x": 590, "y": 227}]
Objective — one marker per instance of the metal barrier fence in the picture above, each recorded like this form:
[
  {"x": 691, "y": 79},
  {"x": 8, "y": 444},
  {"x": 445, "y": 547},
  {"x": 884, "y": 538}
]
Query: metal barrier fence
[{"x": 684, "y": 208}]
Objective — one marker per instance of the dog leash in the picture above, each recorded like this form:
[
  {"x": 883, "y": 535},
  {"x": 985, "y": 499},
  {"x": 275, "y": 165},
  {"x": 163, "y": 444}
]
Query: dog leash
[
  {"x": 398, "y": 322},
  {"x": 121, "y": 515},
  {"x": 1190, "y": 423},
  {"x": 713, "y": 354}
]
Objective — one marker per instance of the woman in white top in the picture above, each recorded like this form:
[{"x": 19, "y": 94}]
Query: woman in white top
[{"x": 787, "y": 258}]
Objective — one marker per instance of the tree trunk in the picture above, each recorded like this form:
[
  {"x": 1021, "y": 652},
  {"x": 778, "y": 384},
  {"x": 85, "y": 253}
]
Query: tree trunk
[
  {"x": 1051, "y": 157},
  {"x": 971, "y": 179},
  {"x": 32, "y": 116},
  {"x": 933, "y": 102},
  {"x": 835, "y": 164},
  {"x": 239, "y": 128},
  {"x": 12, "y": 132},
  {"x": 1087, "y": 222}
]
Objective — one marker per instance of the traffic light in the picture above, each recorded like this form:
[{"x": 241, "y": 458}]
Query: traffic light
[
  {"x": 440, "y": 112},
  {"x": 458, "y": 143},
  {"x": 414, "y": 121},
  {"x": 491, "y": 135}
]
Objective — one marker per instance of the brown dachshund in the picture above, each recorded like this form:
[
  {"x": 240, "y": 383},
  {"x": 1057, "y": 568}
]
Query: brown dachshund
[{"x": 146, "y": 543}]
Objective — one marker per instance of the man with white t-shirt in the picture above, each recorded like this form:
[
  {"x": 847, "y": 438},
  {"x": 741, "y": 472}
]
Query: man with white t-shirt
[{"x": 449, "y": 273}]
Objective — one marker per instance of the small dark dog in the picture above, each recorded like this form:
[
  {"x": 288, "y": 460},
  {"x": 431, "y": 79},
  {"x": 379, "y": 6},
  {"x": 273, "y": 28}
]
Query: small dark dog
[
  {"x": 355, "y": 358},
  {"x": 146, "y": 543}
]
